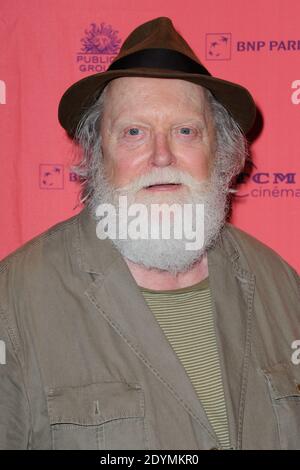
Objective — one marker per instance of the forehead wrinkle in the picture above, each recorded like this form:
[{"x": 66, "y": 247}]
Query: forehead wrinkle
[
  {"x": 160, "y": 112},
  {"x": 139, "y": 98}
]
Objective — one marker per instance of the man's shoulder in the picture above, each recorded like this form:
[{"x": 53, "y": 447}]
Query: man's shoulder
[
  {"x": 256, "y": 255},
  {"x": 250, "y": 242},
  {"x": 37, "y": 268},
  {"x": 43, "y": 246}
]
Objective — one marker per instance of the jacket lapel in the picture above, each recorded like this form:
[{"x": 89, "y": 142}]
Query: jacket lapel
[
  {"x": 232, "y": 290},
  {"x": 116, "y": 295}
]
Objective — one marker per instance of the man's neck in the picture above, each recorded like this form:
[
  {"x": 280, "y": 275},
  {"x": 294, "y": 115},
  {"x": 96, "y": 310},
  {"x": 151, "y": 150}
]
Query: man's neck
[{"x": 163, "y": 280}]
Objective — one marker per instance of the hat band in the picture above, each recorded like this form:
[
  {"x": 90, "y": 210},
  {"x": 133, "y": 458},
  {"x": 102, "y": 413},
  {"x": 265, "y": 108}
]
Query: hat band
[{"x": 159, "y": 59}]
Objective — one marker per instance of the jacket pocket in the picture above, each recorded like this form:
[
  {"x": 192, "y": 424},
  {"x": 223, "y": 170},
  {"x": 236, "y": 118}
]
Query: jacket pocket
[
  {"x": 284, "y": 387},
  {"x": 106, "y": 415}
]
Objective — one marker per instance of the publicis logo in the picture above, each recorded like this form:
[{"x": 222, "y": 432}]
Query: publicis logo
[
  {"x": 51, "y": 176},
  {"x": 2, "y": 92},
  {"x": 218, "y": 46},
  {"x": 263, "y": 184},
  {"x": 98, "y": 48}
]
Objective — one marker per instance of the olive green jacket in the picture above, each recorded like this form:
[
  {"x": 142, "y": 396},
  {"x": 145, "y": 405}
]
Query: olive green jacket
[{"x": 88, "y": 367}]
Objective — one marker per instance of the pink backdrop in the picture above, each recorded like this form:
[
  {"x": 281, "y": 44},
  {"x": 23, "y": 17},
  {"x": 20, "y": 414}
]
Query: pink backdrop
[{"x": 48, "y": 44}]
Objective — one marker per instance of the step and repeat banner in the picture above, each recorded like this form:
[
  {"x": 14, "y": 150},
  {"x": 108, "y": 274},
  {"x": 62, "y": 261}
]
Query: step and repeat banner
[{"x": 46, "y": 45}]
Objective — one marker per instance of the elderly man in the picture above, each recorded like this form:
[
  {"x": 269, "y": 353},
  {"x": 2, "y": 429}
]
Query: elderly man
[{"x": 127, "y": 342}]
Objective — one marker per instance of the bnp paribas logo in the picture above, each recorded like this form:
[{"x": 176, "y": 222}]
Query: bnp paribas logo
[
  {"x": 99, "y": 47},
  {"x": 218, "y": 46}
]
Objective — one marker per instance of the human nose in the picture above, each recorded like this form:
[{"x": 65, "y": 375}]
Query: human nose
[{"x": 162, "y": 154}]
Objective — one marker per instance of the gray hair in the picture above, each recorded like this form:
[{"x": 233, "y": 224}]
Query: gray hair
[{"x": 230, "y": 157}]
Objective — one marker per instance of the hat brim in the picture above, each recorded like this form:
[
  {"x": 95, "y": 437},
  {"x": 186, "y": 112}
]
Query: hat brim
[{"x": 84, "y": 93}]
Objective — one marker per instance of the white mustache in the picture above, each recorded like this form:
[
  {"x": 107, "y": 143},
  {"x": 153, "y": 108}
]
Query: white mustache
[{"x": 163, "y": 176}]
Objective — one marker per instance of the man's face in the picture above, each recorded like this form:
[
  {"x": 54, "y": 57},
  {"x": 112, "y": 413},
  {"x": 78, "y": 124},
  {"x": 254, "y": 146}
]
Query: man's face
[
  {"x": 153, "y": 123},
  {"x": 158, "y": 147}
]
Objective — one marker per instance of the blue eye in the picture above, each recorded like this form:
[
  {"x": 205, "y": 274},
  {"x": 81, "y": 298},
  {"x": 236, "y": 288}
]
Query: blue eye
[
  {"x": 134, "y": 131},
  {"x": 185, "y": 130}
]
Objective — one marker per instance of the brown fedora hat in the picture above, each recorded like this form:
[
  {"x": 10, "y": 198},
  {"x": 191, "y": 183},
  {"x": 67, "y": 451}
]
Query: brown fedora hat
[{"x": 155, "y": 49}]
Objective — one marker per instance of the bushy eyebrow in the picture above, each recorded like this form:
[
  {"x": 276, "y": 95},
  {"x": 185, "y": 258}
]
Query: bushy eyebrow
[{"x": 120, "y": 124}]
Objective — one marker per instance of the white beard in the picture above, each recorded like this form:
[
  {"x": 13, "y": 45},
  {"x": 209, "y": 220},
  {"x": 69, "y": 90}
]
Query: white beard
[{"x": 167, "y": 254}]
